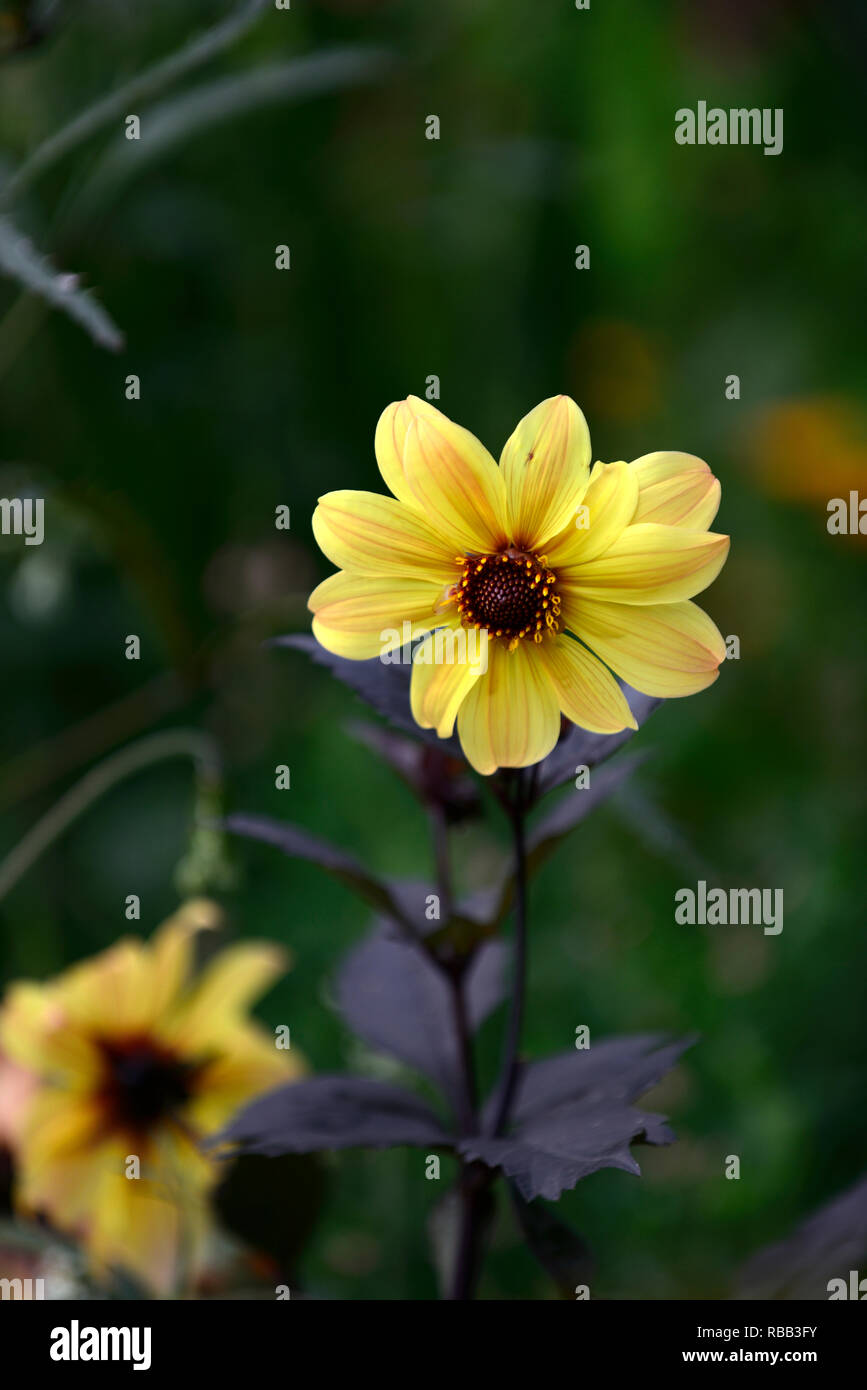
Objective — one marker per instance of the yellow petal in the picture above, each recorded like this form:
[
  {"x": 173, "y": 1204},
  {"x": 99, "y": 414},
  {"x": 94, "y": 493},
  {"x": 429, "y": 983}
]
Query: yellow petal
[
  {"x": 455, "y": 481},
  {"x": 249, "y": 1065},
  {"x": 68, "y": 1184},
  {"x": 172, "y": 950},
  {"x": 665, "y": 649},
  {"x": 445, "y": 667},
  {"x": 179, "y": 1167},
  {"x": 546, "y": 468},
  {"x": 368, "y": 534},
  {"x": 511, "y": 717},
  {"x": 676, "y": 490},
  {"x": 608, "y": 508},
  {"x": 587, "y": 693},
  {"x": 61, "y": 1125},
  {"x": 36, "y": 1032},
  {"x": 225, "y": 989},
  {"x": 389, "y": 445},
  {"x": 360, "y": 617},
  {"x": 112, "y": 993},
  {"x": 649, "y": 564},
  {"x": 134, "y": 1227}
]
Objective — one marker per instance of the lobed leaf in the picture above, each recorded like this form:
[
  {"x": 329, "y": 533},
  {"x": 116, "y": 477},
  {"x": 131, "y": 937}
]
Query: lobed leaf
[
  {"x": 573, "y": 1114},
  {"x": 552, "y": 1152}
]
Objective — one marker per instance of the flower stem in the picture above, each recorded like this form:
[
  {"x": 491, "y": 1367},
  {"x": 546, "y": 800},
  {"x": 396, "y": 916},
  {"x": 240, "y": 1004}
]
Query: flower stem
[
  {"x": 475, "y": 1208},
  {"x": 172, "y": 743},
  {"x": 509, "y": 1072},
  {"x": 475, "y": 1181}
]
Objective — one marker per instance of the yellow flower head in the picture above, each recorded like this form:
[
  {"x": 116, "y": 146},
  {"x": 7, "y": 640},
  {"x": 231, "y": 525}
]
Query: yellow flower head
[
  {"x": 137, "y": 1058},
  {"x": 528, "y": 556}
]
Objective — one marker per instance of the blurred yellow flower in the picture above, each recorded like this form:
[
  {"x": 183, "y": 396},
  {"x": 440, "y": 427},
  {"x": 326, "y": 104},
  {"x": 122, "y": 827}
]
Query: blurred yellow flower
[
  {"x": 138, "y": 1058},
  {"x": 808, "y": 449},
  {"x": 531, "y": 554}
]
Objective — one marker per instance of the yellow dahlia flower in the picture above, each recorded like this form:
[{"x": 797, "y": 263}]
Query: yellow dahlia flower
[
  {"x": 532, "y": 555},
  {"x": 135, "y": 1057}
]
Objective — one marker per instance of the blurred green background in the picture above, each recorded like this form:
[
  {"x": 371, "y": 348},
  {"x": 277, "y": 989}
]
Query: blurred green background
[{"x": 260, "y": 388}]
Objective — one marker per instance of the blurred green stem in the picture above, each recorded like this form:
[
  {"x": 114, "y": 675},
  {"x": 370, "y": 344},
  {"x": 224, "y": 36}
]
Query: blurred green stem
[
  {"x": 141, "y": 88},
  {"x": 174, "y": 743}
]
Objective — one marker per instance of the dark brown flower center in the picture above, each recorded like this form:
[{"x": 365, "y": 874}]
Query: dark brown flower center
[
  {"x": 513, "y": 594},
  {"x": 143, "y": 1083}
]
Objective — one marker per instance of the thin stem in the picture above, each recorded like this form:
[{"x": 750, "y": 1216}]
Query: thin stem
[
  {"x": 475, "y": 1181},
  {"x": 173, "y": 743},
  {"x": 440, "y": 834},
  {"x": 475, "y": 1200},
  {"x": 468, "y": 1098},
  {"x": 509, "y": 1071},
  {"x": 472, "y": 1186},
  {"x": 454, "y": 970}
]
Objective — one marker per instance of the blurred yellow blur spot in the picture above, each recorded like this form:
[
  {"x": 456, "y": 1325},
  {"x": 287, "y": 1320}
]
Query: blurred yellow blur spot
[{"x": 810, "y": 449}]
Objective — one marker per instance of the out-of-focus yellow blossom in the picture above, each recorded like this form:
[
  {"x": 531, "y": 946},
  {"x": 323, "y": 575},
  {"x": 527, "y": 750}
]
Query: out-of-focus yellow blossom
[
  {"x": 811, "y": 449},
  {"x": 534, "y": 554},
  {"x": 138, "y": 1057}
]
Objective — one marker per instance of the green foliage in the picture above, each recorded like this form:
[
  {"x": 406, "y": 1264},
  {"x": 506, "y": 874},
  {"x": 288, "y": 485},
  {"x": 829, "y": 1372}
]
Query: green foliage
[{"x": 261, "y": 388}]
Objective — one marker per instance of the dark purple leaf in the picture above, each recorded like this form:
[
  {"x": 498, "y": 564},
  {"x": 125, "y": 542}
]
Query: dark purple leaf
[
  {"x": 459, "y": 933},
  {"x": 828, "y": 1245},
  {"x": 579, "y": 748},
  {"x": 333, "y": 1112},
  {"x": 559, "y": 1250},
  {"x": 435, "y": 777},
  {"x": 619, "y": 1069},
  {"x": 392, "y": 899},
  {"x": 382, "y": 685},
  {"x": 394, "y": 996},
  {"x": 554, "y": 1151},
  {"x": 573, "y": 1114}
]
